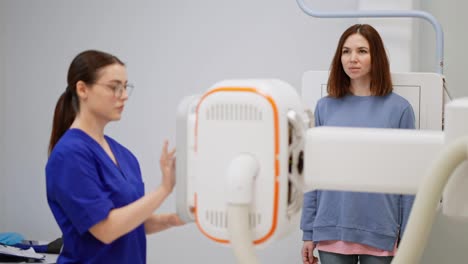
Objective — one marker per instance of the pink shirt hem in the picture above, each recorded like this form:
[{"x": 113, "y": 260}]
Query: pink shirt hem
[{"x": 350, "y": 248}]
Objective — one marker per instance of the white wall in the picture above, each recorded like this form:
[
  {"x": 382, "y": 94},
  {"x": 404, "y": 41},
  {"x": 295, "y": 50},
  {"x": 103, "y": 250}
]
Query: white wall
[
  {"x": 172, "y": 49},
  {"x": 2, "y": 119}
]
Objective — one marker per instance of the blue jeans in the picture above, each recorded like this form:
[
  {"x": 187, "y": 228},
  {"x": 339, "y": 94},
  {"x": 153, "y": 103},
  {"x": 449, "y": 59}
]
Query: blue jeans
[{"x": 334, "y": 258}]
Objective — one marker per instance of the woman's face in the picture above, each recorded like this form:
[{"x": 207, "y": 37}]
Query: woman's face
[
  {"x": 107, "y": 96},
  {"x": 356, "y": 57}
]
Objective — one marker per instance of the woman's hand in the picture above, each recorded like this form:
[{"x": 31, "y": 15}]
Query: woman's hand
[
  {"x": 308, "y": 253},
  {"x": 167, "y": 165}
]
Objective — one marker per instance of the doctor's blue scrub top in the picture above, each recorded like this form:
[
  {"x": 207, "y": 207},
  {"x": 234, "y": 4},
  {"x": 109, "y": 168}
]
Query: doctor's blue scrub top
[{"x": 83, "y": 186}]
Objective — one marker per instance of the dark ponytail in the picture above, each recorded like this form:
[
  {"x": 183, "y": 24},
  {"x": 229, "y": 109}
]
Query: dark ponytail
[
  {"x": 64, "y": 115},
  {"x": 84, "y": 67}
]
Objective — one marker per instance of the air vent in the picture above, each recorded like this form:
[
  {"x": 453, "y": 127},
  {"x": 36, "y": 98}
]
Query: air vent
[
  {"x": 219, "y": 219},
  {"x": 234, "y": 112},
  {"x": 216, "y": 218},
  {"x": 254, "y": 220}
]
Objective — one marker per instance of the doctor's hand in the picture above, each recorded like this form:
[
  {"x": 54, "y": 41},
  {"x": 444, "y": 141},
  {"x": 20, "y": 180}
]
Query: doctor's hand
[
  {"x": 167, "y": 165},
  {"x": 308, "y": 253},
  {"x": 159, "y": 222},
  {"x": 174, "y": 220}
]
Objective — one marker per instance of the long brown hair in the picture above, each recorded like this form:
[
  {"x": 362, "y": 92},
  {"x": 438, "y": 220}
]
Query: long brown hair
[
  {"x": 381, "y": 80},
  {"x": 84, "y": 67}
]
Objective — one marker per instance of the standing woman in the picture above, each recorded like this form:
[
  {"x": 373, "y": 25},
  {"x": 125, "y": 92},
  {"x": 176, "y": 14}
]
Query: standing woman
[
  {"x": 347, "y": 227},
  {"x": 94, "y": 184}
]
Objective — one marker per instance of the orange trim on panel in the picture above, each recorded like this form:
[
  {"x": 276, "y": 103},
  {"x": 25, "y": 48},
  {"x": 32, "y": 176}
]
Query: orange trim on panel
[
  {"x": 223, "y": 241},
  {"x": 276, "y": 165}
]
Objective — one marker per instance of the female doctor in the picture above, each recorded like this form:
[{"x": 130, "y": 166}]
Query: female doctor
[{"x": 94, "y": 184}]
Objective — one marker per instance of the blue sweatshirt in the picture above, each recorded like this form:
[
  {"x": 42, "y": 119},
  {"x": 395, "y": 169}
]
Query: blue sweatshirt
[{"x": 372, "y": 219}]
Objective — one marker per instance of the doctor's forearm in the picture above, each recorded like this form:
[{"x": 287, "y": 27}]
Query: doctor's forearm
[{"x": 122, "y": 220}]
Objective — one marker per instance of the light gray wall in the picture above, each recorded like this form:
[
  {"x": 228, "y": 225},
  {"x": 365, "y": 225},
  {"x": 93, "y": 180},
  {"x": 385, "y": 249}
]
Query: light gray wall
[
  {"x": 447, "y": 241},
  {"x": 452, "y": 16},
  {"x": 449, "y": 237},
  {"x": 2, "y": 119},
  {"x": 172, "y": 49}
]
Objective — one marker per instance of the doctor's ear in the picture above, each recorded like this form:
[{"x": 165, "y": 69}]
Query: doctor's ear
[{"x": 82, "y": 90}]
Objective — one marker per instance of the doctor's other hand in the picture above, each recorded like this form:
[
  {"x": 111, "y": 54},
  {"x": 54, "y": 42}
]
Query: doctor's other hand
[
  {"x": 174, "y": 220},
  {"x": 308, "y": 253},
  {"x": 167, "y": 165}
]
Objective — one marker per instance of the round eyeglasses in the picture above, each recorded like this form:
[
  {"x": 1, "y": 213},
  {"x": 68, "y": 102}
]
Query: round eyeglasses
[{"x": 119, "y": 88}]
